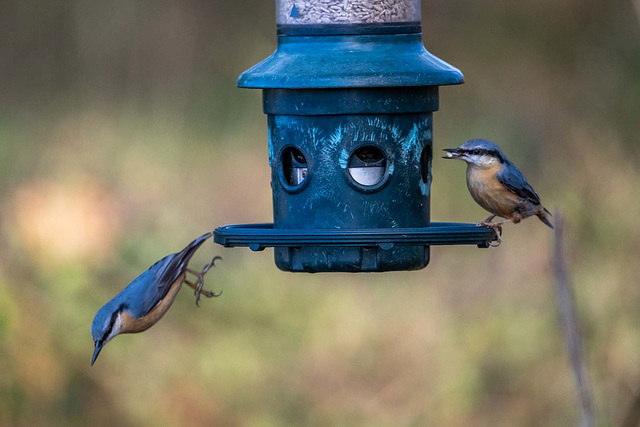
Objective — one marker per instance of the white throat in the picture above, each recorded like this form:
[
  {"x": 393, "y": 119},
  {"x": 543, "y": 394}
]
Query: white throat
[{"x": 117, "y": 327}]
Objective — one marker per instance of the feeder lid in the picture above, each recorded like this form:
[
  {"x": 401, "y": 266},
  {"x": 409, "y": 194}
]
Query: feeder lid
[{"x": 360, "y": 61}]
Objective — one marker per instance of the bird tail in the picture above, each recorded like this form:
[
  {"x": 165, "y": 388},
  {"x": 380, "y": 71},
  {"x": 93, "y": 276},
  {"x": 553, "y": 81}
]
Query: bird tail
[
  {"x": 544, "y": 215},
  {"x": 169, "y": 268},
  {"x": 185, "y": 255}
]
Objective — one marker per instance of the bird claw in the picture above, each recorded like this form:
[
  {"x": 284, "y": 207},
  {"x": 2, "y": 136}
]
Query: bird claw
[
  {"x": 498, "y": 241},
  {"x": 495, "y": 227},
  {"x": 208, "y": 294},
  {"x": 199, "y": 285}
]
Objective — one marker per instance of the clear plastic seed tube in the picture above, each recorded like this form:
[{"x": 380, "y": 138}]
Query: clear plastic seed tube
[{"x": 315, "y": 12}]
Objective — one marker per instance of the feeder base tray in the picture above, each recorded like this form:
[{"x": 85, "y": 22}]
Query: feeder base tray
[{"x": 352, "y": 250}]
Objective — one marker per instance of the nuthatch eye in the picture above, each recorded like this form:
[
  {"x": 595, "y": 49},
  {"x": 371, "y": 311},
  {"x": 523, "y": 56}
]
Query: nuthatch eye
[
  {"x": 497, "y": 185},
  {"x": 145, "y": 300}
]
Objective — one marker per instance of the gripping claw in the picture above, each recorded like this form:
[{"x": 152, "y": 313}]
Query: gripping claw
[{"x": 199, "y": 284}]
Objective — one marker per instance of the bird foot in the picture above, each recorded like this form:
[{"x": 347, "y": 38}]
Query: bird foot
[
  {"x": 199, "y": 284},
  {"x": 497, "y": 227}
]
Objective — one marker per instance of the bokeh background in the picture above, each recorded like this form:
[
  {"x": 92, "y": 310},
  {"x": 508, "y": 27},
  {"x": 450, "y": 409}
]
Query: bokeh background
[{"x": 123, "y": 136}]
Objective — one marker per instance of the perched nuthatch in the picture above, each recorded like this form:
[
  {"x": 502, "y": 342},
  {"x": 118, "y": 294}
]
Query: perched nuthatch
[
  {"x": 145, "y": 300},
  {"x": 497, "y": 185}
]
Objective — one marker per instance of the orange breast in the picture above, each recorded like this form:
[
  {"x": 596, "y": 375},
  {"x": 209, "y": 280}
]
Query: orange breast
[
  {"x": 489, "y": 193},
  {"x": 132, "y": 325}
]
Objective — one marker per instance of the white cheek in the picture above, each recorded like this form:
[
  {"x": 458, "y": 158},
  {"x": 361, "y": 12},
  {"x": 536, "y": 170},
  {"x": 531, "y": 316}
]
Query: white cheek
[
  {"x": 484, "y": 160},
  {"x": 474, "y": 160}
]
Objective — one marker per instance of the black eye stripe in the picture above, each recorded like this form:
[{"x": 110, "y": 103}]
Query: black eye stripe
[
  {"x": 483, "y": 151},
  {"x": 112, "y": 322}
]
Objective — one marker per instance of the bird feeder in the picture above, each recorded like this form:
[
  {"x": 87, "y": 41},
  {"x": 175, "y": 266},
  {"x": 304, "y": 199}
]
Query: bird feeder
[{"x": 349, "y": 95}]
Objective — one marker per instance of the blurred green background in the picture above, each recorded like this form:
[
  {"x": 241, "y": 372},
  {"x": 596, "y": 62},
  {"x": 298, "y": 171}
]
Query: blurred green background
[{"x": 123, "y": 136}]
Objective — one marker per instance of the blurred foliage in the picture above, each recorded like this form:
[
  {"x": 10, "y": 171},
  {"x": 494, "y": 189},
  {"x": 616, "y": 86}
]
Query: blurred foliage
[{"x": 123, "y": 137}]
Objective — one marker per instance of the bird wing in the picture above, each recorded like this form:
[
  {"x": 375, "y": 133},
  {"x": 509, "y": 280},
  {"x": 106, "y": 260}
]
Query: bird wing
[{"x": 511, "y": 177}]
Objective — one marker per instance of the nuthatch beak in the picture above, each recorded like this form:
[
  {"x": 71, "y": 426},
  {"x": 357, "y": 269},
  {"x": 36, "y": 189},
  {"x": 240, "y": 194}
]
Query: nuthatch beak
[
  {"x": 453, "y": 153},
  {"x": 96, "y": 352}
]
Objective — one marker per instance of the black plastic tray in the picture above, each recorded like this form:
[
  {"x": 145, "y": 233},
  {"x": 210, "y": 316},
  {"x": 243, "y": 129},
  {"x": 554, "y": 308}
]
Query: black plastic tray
[{"x": 260, "y": 236}]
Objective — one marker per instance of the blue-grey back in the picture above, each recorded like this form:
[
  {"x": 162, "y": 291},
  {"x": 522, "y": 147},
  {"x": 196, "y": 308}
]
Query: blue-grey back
[{"x": 138, "y": 298}]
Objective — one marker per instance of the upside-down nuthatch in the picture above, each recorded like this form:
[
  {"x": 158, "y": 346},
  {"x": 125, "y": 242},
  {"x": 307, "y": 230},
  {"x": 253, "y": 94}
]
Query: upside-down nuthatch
[
  {"x": 145, "y": 300},
  {"x": 497, "y": 185}
]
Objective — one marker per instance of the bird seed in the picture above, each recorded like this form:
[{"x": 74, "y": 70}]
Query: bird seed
[{"x": 347, "y": 11}]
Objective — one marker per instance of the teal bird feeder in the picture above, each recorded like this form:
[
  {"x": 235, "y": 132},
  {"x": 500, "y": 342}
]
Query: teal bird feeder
[{"x": 349, "y": 95}]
